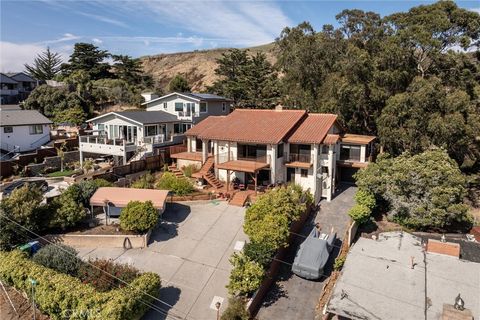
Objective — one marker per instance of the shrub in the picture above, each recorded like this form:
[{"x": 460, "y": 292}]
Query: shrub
[
  {"x": 360, "y": 213},
  {"x": 88, "y": 188},
  {"x": 58, "y": 257},
  {"x": 189, "y": 170},
  {"x": 424, "y": 191},
  {"x": 236, "y": 309},
  {"x": 260, "y": 252},
  {"x": 99, "y": 276},
  {"x": 67, "y": 209},
  {"x": 339, "y": 262},
  {"x": 138, "y": 216},
  {"x": 58, "y": 294},
  {"x": 144, "y": 182},
  {"x": 24, "y": 207},
  {"x": 246, "y": 275},
  {"x": 365, "y": 198},
  {"x": 180, "y": 186}
]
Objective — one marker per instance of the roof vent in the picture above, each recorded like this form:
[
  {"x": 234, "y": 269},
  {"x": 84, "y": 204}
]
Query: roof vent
[{"x": 445, "y": 248}]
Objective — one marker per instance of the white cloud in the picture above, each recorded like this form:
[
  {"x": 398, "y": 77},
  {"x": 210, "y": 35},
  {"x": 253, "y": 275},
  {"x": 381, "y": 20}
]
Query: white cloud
[
  {"x": 66, "y": 37},
  {"x": 104, "y": 19},
  {"x": 97, "y": 41},
  {"x": 477, "y": 10}
]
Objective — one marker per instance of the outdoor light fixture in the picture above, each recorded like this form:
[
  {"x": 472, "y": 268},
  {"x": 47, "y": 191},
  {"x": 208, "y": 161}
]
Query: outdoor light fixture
[{"x": 218, "y": 305}]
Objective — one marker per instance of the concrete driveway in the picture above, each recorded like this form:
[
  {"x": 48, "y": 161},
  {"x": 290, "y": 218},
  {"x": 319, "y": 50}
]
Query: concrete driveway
[
  {"x": 293, "y": 297},
  {"x": 190, "y": 251}
]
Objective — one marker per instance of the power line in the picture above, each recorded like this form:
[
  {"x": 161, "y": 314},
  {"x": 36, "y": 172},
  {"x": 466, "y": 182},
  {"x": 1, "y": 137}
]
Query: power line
[{"x": 113, "y": 276}]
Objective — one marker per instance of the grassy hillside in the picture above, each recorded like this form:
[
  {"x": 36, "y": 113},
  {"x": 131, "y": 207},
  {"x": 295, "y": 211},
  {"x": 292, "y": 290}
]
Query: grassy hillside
[{"x": 198, "y": 67}]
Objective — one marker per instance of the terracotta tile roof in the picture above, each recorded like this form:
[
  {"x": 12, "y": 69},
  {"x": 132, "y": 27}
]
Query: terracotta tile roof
[
  {"x": 446, "y": 248},
  {"x": 204, "y": 125},
  {"x": 313, "y": 129},
  {"x": 249, "y": 125},
  {"x": 357, "y": 138},
  {"x": 331, "y": 139}
]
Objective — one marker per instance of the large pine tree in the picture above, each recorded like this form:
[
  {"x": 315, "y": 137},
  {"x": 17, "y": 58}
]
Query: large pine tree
[{"x": 45, "y": 66}]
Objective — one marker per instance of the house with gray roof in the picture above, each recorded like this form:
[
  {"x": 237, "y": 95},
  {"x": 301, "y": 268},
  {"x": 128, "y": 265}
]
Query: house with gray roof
[
  {"x": 23, "y": 130},
  {"x": 132, "y": 135},
  {"x": 15, "y": 87},
  {"x": 401, "y": 276}
]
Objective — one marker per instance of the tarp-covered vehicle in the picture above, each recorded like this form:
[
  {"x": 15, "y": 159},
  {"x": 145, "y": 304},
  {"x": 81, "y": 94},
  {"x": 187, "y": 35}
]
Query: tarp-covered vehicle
[{"x": 312, "y": 255}]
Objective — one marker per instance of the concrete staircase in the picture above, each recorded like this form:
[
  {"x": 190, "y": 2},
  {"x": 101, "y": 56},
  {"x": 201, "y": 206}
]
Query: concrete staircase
[
  {"x": 240, "y": 197},
  {"x": 211, "y": 180},
  {"x": 177, "y": 172}
]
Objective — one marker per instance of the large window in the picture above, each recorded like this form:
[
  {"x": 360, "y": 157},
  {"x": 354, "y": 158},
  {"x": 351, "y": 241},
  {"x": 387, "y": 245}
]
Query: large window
[
  {"x": 178, "y": 106},
  {"x": 248, "y": 151},
  {"x": 7, "y": 129},
  {"x": 350, "y": 153},
  {"x": 150, "y": 131},
  {"x": 304, "y": 173},
  {"x": 203, "y": 107},
  {"x": 36, "y": 129}
]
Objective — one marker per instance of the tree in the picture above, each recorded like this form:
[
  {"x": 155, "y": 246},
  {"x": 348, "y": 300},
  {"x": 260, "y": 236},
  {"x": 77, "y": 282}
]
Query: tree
[
  {"x": 424, "y": 191},
  {"x": 61, "y": 154},
  {"x": 146, "y": 181},
  {"x": 67, "y": 210},
  {"x": 178, "y": 84},
  {"x": 178, "y": 185},
  {"x": 430, "y": 114},
  {"x": 127, "y": 69},
  {"x": 24, "y": 207},
  {"x": 74, "y": 115},
  {"x": 45, "y": 66},
  {"x": 246, "y": 275},
  {"x": 59, "y": 257},
  {"x": 138, "y": 216},
  {"x": 89, "y": 58},
  {"x": 236, "y": 310},
  {"x": 49, "y": 100}
]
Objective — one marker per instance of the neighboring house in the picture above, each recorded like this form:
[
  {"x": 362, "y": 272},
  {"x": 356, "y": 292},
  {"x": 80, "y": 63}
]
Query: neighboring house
[
  {"x": 15, "y": 87},
  {"x": 132, "y": 135},
  {"x": 263, "y": 147},
  {"x": 401, "y": 276},
  {"x": 23, "y": 130}
]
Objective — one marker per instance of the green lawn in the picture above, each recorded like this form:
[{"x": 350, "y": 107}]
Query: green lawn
[{"x": 63, "y": 173}]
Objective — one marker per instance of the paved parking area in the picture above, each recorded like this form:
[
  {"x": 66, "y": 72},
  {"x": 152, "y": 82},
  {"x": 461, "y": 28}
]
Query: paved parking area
[
  {"x": 293, "y": 297},
  {"x": 190, "y": 251}
]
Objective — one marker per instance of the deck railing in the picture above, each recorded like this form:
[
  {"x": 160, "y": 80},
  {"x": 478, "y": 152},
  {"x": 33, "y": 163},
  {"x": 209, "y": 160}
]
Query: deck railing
[
  {"x": 225, "y": 157},
  {"x": 297, "y": 157}
]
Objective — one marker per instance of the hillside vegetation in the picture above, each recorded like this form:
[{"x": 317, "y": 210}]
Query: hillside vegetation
[{"x": 198, "y": 67}]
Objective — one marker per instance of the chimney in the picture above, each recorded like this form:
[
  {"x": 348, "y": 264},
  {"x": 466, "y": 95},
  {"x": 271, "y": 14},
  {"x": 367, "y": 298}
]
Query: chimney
[
  {"x": 444, "y": 248},
  {"x": 148, "y": 96}
]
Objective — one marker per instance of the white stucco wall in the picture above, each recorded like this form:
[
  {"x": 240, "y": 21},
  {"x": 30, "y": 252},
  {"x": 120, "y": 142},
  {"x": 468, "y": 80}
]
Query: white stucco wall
[
  {"x": 183, "y": 163},
  {"x": 21, "y": 137}
]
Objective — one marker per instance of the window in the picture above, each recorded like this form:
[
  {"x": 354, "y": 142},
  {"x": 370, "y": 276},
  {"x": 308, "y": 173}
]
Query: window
[
  {"x": 224, "y": 106},
  {"x": 350, "y": 153},
  {"x": 186, "y": 126},
  {"x": 304, "y": 173},
  {"x": 36, "y": 129},
  {"x": 101, "y": 127},
  {"x": 165, "y": 106},
  {"x": 280, "y": 150},
  {"x": 7, "y": 129},
  {"x": 324, "y": 149},
  {"x": 177, "y": 127},
  {"x": 150, "y": 131},
  {"x": 325, "y": 170},
  {"x": 203, "y": 107},
  {"x": 178, "y": 106}
]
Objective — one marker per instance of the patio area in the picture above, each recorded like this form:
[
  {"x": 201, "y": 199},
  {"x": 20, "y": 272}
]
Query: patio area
[{"x": 190, "y": 250}]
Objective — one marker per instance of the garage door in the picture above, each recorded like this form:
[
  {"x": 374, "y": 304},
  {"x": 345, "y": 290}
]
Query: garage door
[{"x": 346, "y": 175}]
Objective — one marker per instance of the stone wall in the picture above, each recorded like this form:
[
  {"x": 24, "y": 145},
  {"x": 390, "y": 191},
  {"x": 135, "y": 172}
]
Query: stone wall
[{"x": 52, "y": 163}]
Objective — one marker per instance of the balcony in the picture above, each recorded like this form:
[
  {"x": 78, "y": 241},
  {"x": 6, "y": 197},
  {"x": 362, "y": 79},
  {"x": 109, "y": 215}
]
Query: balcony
[
  {"x": 8, "y": 92},
  {"x": 103, "y": 145},
  {"x": 298, "y": 160},
  {"x": 234, "y": 162}
]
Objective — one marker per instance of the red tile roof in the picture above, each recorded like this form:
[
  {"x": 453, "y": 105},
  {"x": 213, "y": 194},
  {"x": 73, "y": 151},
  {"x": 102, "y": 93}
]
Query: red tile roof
[
  {"x": 331, "y": 139},
  {"x": 446, "y": 248},
  {"x": 313, "y": 129},
  {"x": 249, "y": 125},
  {"x": 357, "y": 138}
]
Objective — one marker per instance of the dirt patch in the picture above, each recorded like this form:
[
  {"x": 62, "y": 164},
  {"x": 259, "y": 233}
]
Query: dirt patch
[
  {"x": 23, "y": 308},
  {"x": 113, "y": 229}
]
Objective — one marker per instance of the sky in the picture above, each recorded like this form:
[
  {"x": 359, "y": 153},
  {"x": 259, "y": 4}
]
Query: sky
[{"x": 147, "y": 27}]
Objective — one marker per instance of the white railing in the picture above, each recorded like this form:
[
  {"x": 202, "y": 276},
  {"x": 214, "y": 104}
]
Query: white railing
[
  {"x": 160, "y": 138},
  {"x": 40, "y": 141},
  {"x": 225, "y": 157},
  {"x": 8, "y": 92}
]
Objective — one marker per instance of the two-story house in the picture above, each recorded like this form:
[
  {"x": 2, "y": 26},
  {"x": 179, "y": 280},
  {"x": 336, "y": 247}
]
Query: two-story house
[
  {"x": 15, "y": 87},
  {"x": 263, "y": 147},
  {"x": 131, "y": 135}
]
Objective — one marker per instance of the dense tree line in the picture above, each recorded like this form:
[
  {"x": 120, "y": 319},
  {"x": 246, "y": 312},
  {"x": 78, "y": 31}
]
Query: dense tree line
[
  {"x": 411, "y": 78},
  {"x": 90, "y": 83}
]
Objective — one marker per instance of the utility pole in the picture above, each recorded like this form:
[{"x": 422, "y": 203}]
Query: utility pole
[{"x": 34, "y": 283}]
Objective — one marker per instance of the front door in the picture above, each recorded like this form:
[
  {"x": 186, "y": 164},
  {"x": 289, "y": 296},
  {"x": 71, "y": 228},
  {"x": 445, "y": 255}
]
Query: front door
[{"x": 291, "y": 175}]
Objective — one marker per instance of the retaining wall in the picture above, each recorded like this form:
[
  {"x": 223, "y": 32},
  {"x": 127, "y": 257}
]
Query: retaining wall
[{"x": 100, "y": 240}]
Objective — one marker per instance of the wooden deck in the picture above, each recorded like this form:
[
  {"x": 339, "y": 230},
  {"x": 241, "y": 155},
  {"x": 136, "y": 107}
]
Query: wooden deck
[
  {"x": 193, "y": 156},
  {"x": 243, "y": 166}
]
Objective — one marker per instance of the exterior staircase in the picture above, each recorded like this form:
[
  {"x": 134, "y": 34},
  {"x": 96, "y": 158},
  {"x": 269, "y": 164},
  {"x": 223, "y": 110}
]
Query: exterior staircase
[
  {"x": 240, "y": 197},
  {"x": 177, "y": 172},
  {"x": 214, "y": 182},
  {"x": 142, "y": 152}
]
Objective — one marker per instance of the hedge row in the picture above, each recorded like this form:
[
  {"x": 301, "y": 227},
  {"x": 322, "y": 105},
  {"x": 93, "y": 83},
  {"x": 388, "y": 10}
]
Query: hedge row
[{"x": 62, "y": 296}]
